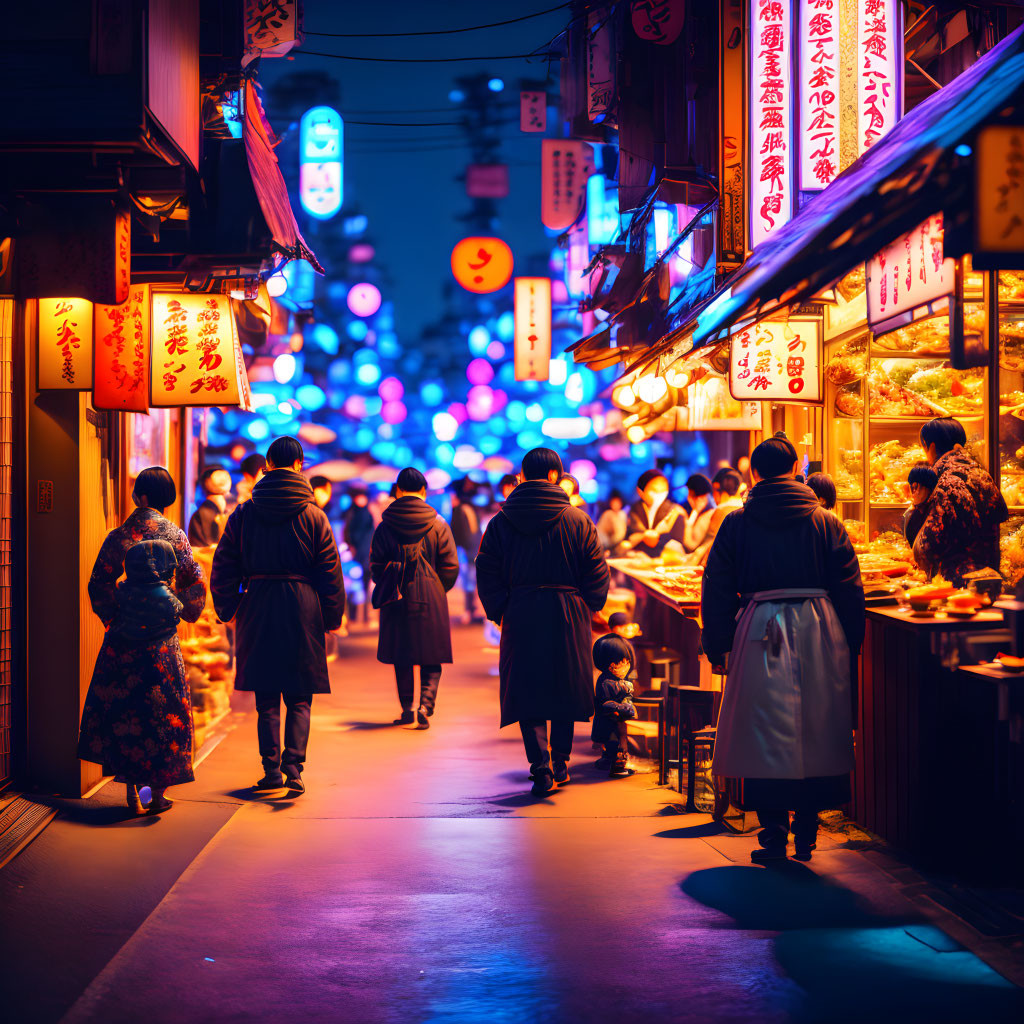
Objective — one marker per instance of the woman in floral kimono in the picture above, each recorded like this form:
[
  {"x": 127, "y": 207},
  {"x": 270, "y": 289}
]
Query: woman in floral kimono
[{"x": 137, "y": 720}]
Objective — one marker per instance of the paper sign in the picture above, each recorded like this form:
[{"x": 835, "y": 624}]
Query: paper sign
[{"x": 777, "y": 360}]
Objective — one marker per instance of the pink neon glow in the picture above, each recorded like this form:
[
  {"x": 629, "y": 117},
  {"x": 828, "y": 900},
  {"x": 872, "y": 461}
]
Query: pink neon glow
[
  {"x": 391, "y": 389},
  {"x": 500, "y": 400},
  {"x": 583, "y": 469},
  {"x": 355, "y": 406},
  {"x": 361, "y": 253},
  {"x": 496, "y": 350},
  {"x": 480, "y": 403},
  {"x": 559, "y": 293},
  {"x": 363, "y": 299},
  {"x": 458, "y": 411},
  {"x": 480, "y": 371},
  {"x": 394, "y": 412}
]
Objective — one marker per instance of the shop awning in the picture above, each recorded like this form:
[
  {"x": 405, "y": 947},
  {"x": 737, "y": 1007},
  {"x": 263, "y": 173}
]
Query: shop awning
[
  {"x": 269, "y": 184},
  {"x": 906, "y": 176}
]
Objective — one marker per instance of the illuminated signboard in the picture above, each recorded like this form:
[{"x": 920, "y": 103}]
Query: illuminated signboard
[
  {"x": 600, "y": 67},
  {"x": 533, "y": 111},
  {"x": 121, "y": 379},
  {"x": 999, "y": 197},
  {"x": 482, "y": 264},
  {"x": 532, "y": 328},
  {"x": 879, "y": 60},
  {"x": 65, "y": 345},
  {"x": 321, "y": 162},
  {"x": 771, "y": 117},
  {"x": 602, "y": 211},
  {"x": 819, "y": 93},
  {"x": 776, "y": 360},
  {"x": 565, "y": 166}
]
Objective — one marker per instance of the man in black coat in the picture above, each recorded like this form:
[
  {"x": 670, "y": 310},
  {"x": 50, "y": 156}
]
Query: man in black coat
[
  {"x": 414, "y": 565},
  {"x": 541, "y": 572},
  {"x": 358, "y": 532},
  {"x": 277, "y": 567},
  {"x": 466, "y": 531}
]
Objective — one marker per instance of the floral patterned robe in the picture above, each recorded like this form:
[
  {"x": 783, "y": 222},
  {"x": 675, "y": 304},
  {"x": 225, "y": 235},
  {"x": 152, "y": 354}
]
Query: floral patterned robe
[{"x": 137, "y": 719}]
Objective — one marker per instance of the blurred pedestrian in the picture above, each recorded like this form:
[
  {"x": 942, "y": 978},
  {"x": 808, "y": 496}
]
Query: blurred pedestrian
[
  {"x": 542, "y": 574},
  {"x": 506, "y": 485},
  {"x": 414, "y": 564},
  {"x": 252, "y": 468},
  {"x": 653, "y": 518},
  {"x": 611, "y": 524},
  {"x": 358, "y": 534},
  {"x": 207, "y": 522},
  {"x": 277, "y": 568},
  {"x": 698, "y": 491},
  {"x": 322, "y": 490},
  {"x": 725, "y": 489},
  {"x": 466, "y": 531}
]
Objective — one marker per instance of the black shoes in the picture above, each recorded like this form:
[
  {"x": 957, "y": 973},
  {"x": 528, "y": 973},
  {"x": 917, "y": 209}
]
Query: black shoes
[
  {"x": 295, "y": 785},
  {"x": 269, "y": 782},
  {"x": 561, "y": 773},
  {"x": 543, "y": 782},
  {"x": 803, "y": 851},
  {"x": 620, "y": 768},
  {"x": 407, "y": 718},
  {"x": 768, "y": 854},
  {"x": 422, "y": 718}
]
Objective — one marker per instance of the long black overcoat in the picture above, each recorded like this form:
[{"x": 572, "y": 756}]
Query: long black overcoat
[
  {"x": 540, "y": 574},
  {"x": 277, "y": 568},
  {"x": 413, "y": 564}
]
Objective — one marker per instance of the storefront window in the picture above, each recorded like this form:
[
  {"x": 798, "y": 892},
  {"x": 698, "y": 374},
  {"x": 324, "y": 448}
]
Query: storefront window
[{"x": 148, "y": 440}]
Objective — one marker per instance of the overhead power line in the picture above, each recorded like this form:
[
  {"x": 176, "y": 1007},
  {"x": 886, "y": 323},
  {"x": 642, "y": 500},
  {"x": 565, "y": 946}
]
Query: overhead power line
[{"x": 434, "y": 32}]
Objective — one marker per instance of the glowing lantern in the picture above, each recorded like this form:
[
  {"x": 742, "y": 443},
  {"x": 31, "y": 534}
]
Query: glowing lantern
[
  {"x": 394, "y": 412},
  {"x": 445, "y": 425},
  {"x": 480, "y": 402},
  {"x": 480, "y": 371},
  {"x": 121, "y": 377},
  {"x": 532, "y": 328},
  {"x": 651, "y": 388},
  {"x": 65, "y": 344},
  {"x": 482, "y": 264},
  {"x": 363, "y": 299},
  {"x": 391, "y": 389},
  {"x": 320, "y": 162}
]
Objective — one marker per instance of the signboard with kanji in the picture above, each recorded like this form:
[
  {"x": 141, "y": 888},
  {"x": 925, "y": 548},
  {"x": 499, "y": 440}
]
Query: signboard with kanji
[
  {"x": 272, "y": 28},
  {"x": 121, "y": 362},
  {"x": 482, "y": 265},
  {"x": 778, "y": 361},
  {"x": 999, "y": 198},
  {"x": 909, "y": 272},
  {"x": 194, "y": 351},
  {"x": 772, "y": 95},
  {"x": 533, "y": 111},
  {"x": 879, "y": 69},
  {"x": 819, "y": 92},
  {"x": 732, "y": 102},
  {"x": 65, "y": 345},
  {"x": 532, "y": 328},
  {"x": 565, "y": 166},
  {"x": 600, "y": 67}
]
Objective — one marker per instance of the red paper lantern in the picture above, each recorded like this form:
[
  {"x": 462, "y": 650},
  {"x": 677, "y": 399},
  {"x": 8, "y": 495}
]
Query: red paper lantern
[{"x": 482, "y": 264}]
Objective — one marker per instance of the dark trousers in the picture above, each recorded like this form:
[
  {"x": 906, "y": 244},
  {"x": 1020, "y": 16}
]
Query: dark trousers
[
  {"x": 616, "y": 746},
  {"x": 296, "y": 731},
  {"x": 430, "y": 676},
  {"x": 775, "y": 827},
  {"x": 535, "y": 739},
  {"x": 364, "y": 564}
]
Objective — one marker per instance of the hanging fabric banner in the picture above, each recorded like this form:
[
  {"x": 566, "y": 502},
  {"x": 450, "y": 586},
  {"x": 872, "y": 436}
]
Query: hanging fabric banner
[
  {"x": 532, "y": 328},
  {"x": 65, "y": 345},
  {"x": 565, "y": 166},
  {"x": 533, "y": 111},
  {"x": 194, "y": 351},
  {"x": 819, "y": 93},
  {"x": 121, "y": 367},
  {"x": 272, "y": 28}
]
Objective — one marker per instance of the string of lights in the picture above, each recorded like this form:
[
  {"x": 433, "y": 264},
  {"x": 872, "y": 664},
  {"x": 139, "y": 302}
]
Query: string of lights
[{"x": 436, "y": 32}]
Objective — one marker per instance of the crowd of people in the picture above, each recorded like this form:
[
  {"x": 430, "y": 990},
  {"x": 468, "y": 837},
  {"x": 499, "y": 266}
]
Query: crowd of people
[{"x": 782, "y": 607}]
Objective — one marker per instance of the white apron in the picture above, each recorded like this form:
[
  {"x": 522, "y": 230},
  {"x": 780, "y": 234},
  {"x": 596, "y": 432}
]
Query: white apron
[{"x": 786, "y": 707}]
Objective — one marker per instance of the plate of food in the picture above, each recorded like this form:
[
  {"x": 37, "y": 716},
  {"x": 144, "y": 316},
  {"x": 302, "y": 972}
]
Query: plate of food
[{"x": 1010, "y": 662}]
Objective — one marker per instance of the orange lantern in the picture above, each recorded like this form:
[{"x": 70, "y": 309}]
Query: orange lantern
[
  {"x": 533, "y": 328},
  {"x": 121, "y": 378},
  {"x": 65, "y": 345},
  {"x": 482, "y": 264}
]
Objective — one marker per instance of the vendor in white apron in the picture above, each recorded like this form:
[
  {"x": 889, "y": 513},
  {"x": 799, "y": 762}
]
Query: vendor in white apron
[{"x": 782, "y": 593}]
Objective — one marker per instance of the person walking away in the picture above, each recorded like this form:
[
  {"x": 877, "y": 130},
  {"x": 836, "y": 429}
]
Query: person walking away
[
  {"x": 322, "y": 491},
  {"x": 414, "y": 565},
  {"x": 611, "y": 524},
  {"x": 252, "y": 467},
  {"x": 613, "y": 702},
  {"x": 466, "y": 531},
  {"x": 541, "y": 573},
  {"x": 725, "y": 489},
  {"x": 652, "y": 519},
  {"x": 506, "y": 485},
  {"x": 358, "y": 533},
  {"x": 786, "y": 569},
  {"x": 207, "y": 522},
  {"x": 277, "y": 570},
  {"x": 960, "y": 533},
  {"x": 137, "y": 717}
]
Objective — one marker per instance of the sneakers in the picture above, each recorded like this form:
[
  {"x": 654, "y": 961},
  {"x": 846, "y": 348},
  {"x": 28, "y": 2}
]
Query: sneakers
[
  {"x": 295, "y": 785},
  {"x": 269, "y": 782},
  {"x": 422, "y": 718},
  {"x": 543, "y": 782},
  {"x": 407, "y": 718},
  {"x": 561, "y": 773},
  {"x": 620, "y": 768}
]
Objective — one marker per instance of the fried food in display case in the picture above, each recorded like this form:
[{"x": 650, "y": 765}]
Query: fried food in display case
[
  {"x": 858, "y": 531},
  {"x": 886, "y": 398},
  {"x": 921, "y": 338},
  {"x": 1011, "y": 285},
  {"x": 849, "y": 364},
  {"x": 848, "y": 475},
  {"x": 1011, "y": 550},
  {"x": 889, "y": 462},
  {"x": 947, "y": 391}
]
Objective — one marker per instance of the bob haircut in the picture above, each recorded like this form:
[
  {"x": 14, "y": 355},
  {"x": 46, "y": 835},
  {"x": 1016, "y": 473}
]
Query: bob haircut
[
  {"x": 647, "y": 476},
  {"x": 730, "y": 482},
  {"x": 944, "y": 432},
  {"x": 575, "y": 483},
  {"x": 773, "y": 457},
  {"x": 824, "y": 488},
  {"x": 923, "y": 475},
  {"x": 612, "y": 648},
  {"x": 540, "y": 463},
  {"x": 252, "y": 464},
  {"x": 411, "y": 480},
  {"x": 156, "y": 485},
  {"x": 699, "y": 484},
  {"x": 284, "y": 452}
]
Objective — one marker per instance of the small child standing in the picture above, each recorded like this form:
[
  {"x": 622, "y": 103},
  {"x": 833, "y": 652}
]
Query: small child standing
[
  {"x": 147, "y": 609},
  {"x": 613, "y": 701},
  {"x": 922, "y": 480}
]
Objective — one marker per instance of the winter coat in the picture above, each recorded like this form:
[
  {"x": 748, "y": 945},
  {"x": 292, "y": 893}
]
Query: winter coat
[
  {"x": 413, "y": 564},
  {"x": 358, "y": 532},
  {"x": 540, "y": 574},
  {"x": 637, "y": 523},
  {"x": 789, "y": 565},
  {"x": 466, "y": 527},
  {"x": 147, "y": 609},
  {"x": 277, "y": 568},
  {"x": 961, "y": 531},
  {"x": 203, "y": 528},
  {"x": 613, "y": 703}
]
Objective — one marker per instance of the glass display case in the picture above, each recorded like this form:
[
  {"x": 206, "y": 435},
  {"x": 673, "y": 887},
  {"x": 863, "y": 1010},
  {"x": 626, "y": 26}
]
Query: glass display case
[{"x": 1010, "y": 422}]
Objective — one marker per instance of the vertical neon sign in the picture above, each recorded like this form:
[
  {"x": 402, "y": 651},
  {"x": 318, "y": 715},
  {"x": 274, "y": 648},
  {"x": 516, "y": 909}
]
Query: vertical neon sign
[
  {"x": 321, "y": 162},
  {"x": 819, "y": 93},
  {"x": 879, "y": 54}
]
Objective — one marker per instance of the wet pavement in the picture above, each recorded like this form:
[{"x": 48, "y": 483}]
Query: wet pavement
[{"x": 417, "y": 881}]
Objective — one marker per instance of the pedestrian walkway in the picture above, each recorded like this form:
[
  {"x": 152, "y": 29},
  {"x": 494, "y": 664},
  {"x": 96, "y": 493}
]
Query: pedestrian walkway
[{"x": 417, "y": 881}]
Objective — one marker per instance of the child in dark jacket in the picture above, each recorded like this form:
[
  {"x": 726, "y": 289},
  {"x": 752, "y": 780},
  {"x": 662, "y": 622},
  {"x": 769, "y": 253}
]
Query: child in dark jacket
[
  {"x": 147, "y": 609},
  {"x": 613, "y": 701}
]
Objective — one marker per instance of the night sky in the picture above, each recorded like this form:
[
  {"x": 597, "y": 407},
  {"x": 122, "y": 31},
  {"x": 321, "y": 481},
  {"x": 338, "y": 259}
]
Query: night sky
[{"x": 407, "y": 188}]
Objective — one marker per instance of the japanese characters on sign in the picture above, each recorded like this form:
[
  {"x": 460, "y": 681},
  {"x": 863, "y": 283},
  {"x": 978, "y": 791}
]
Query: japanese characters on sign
[
  {"x": 321, "y": 162},
  {"x": 533, "y": 111},
  {"x": 776, "y": 360},
  {"x": 272, "y": 28},
  {"x": 65, "y": 345},
  {"x": 771, "y": 117},
  {"x": 123, "y": 254},
  {"x": 732, "y": 102},
  {"x": 600, "y": 67},
  {"x": 193, "y": 351},
  {"x": 658, "y": 21},
  {"x": 565, "y": 166},
  {"x": 819, "y": 92},
  {"x": 482, "y": 264},
  {"x": 879, "y": 60},
  {"x": 909, "y": 272},
  {"x": 532, "y": 328},
  {"x": 999, "y": 198},
  {"x": 121, "y": 378}
]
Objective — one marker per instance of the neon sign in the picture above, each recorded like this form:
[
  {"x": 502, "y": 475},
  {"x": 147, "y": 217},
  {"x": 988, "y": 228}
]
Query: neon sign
[
  {"x": 321, "y": 162},
  {"x": 819, "y": 93},
  {"x": 879, "y": 60}
]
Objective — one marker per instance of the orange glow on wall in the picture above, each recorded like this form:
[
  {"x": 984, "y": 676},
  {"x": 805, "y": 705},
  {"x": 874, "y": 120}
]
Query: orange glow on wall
[
  {"x": 532, "y": 328},
  {"x": 195, "y": 352},
  {"x": 482, "y": 264},
  {"x": 121, "y": 378},
  {"x": 65, "y": 345}
]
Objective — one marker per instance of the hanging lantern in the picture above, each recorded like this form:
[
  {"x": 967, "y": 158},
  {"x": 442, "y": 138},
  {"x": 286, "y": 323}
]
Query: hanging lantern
[
  {"x": 121, "y": 377},
  {"x": 65, "y": 345},
  {"x": 566, "y": 164},
  {"x": 482, "y": 264},
  {"x": 533, "y": 328}
]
